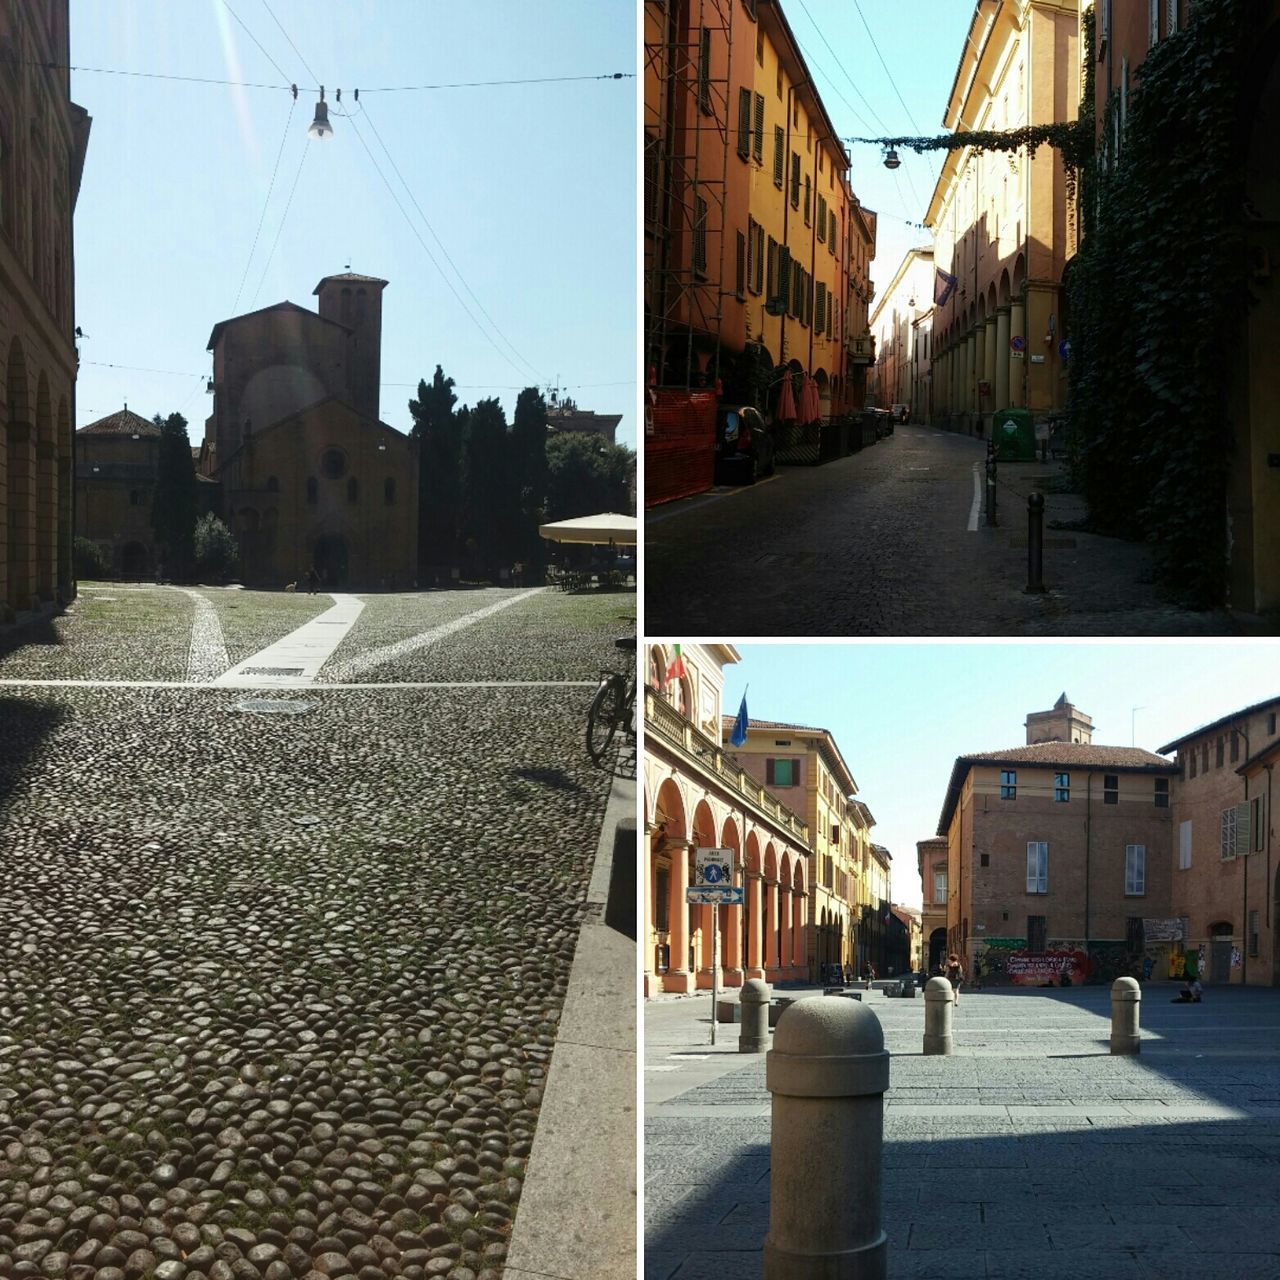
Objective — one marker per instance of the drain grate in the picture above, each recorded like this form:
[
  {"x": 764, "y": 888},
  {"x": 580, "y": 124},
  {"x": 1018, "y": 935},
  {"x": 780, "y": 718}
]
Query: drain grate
[
  {"x": 272, "y": 671},
  {"x": 275, "y": 706}
]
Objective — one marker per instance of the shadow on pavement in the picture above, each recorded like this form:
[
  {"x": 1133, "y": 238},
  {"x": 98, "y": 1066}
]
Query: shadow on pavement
[{"x": 24, "y": 727}]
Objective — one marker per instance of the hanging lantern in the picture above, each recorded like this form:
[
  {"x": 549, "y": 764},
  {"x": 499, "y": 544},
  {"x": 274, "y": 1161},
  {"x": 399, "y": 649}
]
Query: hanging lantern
[{"x": 891, "y": 160}]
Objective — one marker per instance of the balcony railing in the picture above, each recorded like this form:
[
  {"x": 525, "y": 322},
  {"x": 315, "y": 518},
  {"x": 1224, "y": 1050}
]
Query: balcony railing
[{"x": 663, "y": 721}]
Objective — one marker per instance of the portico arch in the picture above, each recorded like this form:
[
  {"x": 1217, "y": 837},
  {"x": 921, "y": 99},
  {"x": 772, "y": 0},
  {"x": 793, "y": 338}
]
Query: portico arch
[
  {"x": 733, "y": 960},
  {"x": 669, "y": 857}
]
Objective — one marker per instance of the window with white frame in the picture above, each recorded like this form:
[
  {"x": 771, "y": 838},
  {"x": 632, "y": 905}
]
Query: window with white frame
[
  {"x": 1235, "y": 831},
  {"x": 1135, "y": 870},
  {"x": 1037, "y": 866},
  {"x": 939, "y": 886},
  {"x": 1184, "y": 845}
]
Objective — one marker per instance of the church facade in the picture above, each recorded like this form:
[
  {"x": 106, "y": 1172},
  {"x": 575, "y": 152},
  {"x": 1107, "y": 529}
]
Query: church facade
[{"x": 310, "y": 477}]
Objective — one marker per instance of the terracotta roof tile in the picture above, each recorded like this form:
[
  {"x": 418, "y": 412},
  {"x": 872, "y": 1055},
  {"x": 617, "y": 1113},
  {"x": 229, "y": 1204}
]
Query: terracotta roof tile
[{"x": 122, "y": 423}]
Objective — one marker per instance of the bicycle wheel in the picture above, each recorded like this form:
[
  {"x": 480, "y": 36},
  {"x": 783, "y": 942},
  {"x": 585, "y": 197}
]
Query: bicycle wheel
[{"x": 602, "y": 719}]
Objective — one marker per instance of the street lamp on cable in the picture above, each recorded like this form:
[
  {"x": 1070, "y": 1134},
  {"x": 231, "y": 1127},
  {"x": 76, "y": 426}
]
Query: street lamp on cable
[
  {"x": 891, "y": 160},
  {"x": 320, "y": 126}
]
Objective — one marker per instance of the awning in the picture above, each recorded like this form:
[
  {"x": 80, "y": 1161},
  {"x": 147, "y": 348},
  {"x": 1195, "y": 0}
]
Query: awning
[{"x": 601, "y": 530}]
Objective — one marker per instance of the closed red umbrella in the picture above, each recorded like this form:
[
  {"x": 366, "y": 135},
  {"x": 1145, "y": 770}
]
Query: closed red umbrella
[
  {"x": 786, "y": 402},
  {"x": 810, "y": 405}
]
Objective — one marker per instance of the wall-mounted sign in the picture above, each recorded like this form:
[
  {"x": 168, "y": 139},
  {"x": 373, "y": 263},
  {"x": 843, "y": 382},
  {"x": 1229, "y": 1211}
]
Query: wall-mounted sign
[
  {"x": 1017, "y": 343},
  {"x": 1037, "y": 359},
  {"x": 714, "y": 867}
]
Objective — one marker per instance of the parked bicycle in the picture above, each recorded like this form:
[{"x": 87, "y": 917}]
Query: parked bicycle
[{"x": 613, "y": 707}]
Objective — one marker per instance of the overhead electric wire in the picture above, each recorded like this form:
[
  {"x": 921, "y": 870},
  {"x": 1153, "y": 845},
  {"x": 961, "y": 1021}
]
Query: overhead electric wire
[
  {"x": 425, "y": 247},
  {"x": 252, "y": 37},
  {"x": 288, "y": 88},
  {"x": 821, "y": 36},
  {"x": 265, "y": 205},
  {"x": 315, "y": 78},
  {"x": 283, "y": 219},
  {"x": 461, "y": 278}
]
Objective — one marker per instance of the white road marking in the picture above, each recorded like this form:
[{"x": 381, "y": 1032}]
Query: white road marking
[
  {"x": 389, "y": 652},
  {"x": 977, "y": 499},
  {"x": 304, "y": 650}
]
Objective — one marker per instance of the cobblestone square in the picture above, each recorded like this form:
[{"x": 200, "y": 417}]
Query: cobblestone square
[{"x": 279, "y": 992}]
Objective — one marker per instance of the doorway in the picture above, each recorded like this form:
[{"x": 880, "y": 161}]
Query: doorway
[{"x": 330, "y": 559}]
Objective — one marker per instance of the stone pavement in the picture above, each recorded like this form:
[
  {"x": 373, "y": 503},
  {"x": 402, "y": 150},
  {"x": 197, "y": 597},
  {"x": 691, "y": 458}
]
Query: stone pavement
[
  {"x": 1030, "y": 1152},
  {"x": 890, "y": 541}
]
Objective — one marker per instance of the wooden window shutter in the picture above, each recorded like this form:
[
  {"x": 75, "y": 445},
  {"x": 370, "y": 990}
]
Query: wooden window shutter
[
  {"x": 744, "y": 122},
  {"x": 777, "y": 155},
  {"x": 757, "y": 146}
]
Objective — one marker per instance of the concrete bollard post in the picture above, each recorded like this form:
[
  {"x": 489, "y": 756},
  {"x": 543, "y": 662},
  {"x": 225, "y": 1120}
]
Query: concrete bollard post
[
  {"x": 1035, "y": 543},
  {"x": 1126, "y": 996},
  {"x": 938, "y": 1002},
  {"x": 754, "y": 1003},
  {"x": 827, "y": 1072}
]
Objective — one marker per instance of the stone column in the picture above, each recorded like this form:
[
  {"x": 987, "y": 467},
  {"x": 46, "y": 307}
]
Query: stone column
[
  {"x": 755, "y": 927},
  {"x": 705, "y": 949},
  {"x": 1001, "y": 354},
  {"x": 979, "y": 362},
  {"x": 797, "y": 932},
  {"x": 784, "y": 928},
  {"x": 678, "y": 976},
  {"x": 650, "y": 934},
  {"x": 731, "y": 947},
  {"x": 21, "y": 540},
  {"x": 970, "y": 366},
  {"x": 771, "y": 929},
  {"x": 1017, "y": 363},
  {"x": 989, "y": 368},
  {"x": 46, "y": 516}
]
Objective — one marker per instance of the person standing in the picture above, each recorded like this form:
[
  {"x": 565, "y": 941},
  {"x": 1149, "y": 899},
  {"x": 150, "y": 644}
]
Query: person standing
[{"x": 954, "y": 974}]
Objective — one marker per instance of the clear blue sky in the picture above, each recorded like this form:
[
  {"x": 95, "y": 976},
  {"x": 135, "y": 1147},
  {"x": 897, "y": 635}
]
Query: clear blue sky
[
  {"x": 920, "y": 43},
  {"x": 531, "y": 189},
  {"x": 902, "y": 713}
]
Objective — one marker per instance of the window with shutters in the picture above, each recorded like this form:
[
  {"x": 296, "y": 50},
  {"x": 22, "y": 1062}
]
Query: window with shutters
[
  {"x": 784, "y": 277},
  {"x": 1153, "y": 22},
  {"x": 939, "y": 886},
  {"x": 1135, "y": 870},
  {"x": 830, "y": 309},
  {"x": 759, "y": 47},
  {"x": 700, "y": 235},
  {"x": 757, "y": 130},
  {"x": 1104, "y": 28},
  {"x": 1171, "y": 17},
  {"x": 744, "y": 123},
  {"x": 1184, "y": 845},
  {"x": 806, "y": 199},
  {"x": 740, "y": 265},
  {"x": 1235, "y": 837},
  {"x": 819, "y": 308},
  {"x": 1037, "y": 933},
  {"x": 771, "y": 269},
  {"x": 795, "y": 180},
  {"x": 704, "y": 71},
  {"x": 778, "y": 145},
  {"x": 822, "y": 219},
  {"x": 781, "y": 772},
  {"x": 1037, "y": 866}
]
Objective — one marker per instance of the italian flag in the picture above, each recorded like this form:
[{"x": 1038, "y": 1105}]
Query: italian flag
[{"x": 676, "y": 671}]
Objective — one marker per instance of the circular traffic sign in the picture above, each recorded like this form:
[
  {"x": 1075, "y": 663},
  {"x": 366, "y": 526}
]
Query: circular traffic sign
[
  {"x": 1018, "y": 342},
  {"x": 712, "y": 874}
]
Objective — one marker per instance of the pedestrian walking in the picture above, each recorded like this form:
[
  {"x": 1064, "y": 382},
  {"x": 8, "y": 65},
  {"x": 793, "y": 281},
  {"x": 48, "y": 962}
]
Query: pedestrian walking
[
  {"x": 313, "y": 580},
  {"x": 954, "y": 975},
  {"x": 1147, "y": 965},
  {"x": 977, "y": 973}
]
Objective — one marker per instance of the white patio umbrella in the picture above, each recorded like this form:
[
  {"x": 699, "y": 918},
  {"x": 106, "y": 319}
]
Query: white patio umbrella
[{"x": 609, "y": 527}]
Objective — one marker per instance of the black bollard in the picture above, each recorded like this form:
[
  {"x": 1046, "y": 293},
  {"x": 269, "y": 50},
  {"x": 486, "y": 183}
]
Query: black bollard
[
  {"x": 991, "y": 482},
  {"x": 1035, "y": 542}
]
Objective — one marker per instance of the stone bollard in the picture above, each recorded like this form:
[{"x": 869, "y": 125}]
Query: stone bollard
[
  {"x": 938, "y": 1002},
  {"x": 827, "y": 1072},
  {"x": 754, "y": 1003},
  {"x": 1126, "y": 995}
]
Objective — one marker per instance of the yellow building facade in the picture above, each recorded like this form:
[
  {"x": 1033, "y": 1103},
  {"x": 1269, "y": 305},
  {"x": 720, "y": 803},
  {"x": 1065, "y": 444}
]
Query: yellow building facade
[
  {"x": 1004, "y": 225},
  {"x": 803, "y": 767}
]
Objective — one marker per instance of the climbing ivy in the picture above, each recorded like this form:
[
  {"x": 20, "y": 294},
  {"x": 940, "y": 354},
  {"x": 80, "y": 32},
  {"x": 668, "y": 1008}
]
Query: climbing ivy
[{"x": 1156, "y": 294}]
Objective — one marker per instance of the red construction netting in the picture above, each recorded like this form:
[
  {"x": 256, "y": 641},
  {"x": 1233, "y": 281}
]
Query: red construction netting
[{"x": 679, "y": 444}]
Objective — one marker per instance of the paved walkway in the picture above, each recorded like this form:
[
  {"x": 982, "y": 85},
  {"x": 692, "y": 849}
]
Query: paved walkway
[
  {"x": 1029, "y": 1153},
  {"x": 295, "y": 661},
  {"x": 584, "y": 1153}
]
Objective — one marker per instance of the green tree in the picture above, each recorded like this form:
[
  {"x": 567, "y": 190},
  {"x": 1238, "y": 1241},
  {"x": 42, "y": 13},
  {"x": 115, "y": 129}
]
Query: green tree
[
  {"x": 216, "y": 551},
  {"x": 586, "y": 475},
  {"x": 529, "y": 476},
  {"x": 173, "y": 506},
  {"x": 438, "y": 431},
  {"x": 487, "y": 487}
]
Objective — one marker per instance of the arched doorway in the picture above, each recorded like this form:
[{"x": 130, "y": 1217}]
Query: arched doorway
[
  {"x": 668, "y": 879},
  {"x": 330, "y": 559},
  {"x": 133, "y": 561}
]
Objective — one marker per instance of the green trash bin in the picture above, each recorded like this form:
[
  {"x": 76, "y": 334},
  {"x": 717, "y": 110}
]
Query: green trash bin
[{"x": 1015, "y": 435}]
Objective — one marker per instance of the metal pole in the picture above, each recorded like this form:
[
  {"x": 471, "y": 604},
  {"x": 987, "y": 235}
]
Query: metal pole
[
  {"x": 715, "y": 960},
  {"x": 1035, "y": 542}
]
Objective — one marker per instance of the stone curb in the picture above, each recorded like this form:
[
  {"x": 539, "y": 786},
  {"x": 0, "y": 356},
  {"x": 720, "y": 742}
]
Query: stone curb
[{"x": 577, "y": 1213}]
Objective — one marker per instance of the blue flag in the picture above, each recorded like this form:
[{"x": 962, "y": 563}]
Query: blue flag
[{"x": 739, "y": 734}]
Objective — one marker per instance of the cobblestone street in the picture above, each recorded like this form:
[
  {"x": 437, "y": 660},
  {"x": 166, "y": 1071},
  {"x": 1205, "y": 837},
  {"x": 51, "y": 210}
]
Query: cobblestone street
[
  {"x": 285, "y": 968},
  {"x": 879, "y": 543},
  {"x": 1030, "y": 1152}
]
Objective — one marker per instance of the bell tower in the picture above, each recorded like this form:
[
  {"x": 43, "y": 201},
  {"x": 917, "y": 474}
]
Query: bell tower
[
  {"x": 356, "y": 301},
  {"x": 1063, "y": 724}
]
